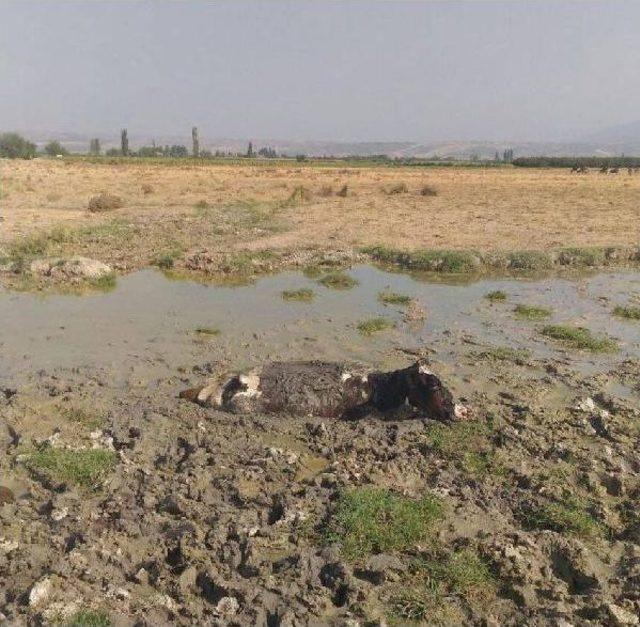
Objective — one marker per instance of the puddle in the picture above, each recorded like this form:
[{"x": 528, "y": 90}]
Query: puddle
[{"x": 147, "y": 326}]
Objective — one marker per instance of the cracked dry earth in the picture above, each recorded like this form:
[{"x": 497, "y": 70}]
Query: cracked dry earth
[{"x": 121, "y": 504}]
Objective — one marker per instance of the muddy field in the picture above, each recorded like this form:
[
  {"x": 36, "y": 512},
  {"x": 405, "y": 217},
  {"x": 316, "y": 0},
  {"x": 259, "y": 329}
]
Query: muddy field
[{"x": 123, "y": 504}]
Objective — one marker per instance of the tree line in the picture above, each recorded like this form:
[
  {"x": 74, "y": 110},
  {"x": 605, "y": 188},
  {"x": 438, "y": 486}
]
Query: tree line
[{"x": 577, "y": 162}]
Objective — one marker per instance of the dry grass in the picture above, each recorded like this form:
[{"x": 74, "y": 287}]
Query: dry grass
[{"x": 481, "y": 209}]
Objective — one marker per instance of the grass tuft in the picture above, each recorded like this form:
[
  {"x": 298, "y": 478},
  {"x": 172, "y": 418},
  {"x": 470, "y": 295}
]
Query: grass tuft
[
  {"x": 398, "y": 188},
  {"x": 564, "y": 517},
  {"x": 427, "y": 190},
  {"x": 464, "y": 443},
  {"x": 506, "y": 353},
  {"x": 629, "y": 312},
  {"x": 210, "y": 331},
  {"x": 448, "y": 261},
  {"x": 529, "y": 260},
  {"x": 496, "y": 296},
  {"x": 374, "y": 325},
  {"x": 104, "y": 202},
  {"x": 579, "y": 338},
  {"x": 83, "y": 467},
  {"x": 338, "y": 281},
  {"x": 394, "y": 298},
  {"x": 303, "y": 295},
  {"x": 374, "y": 520},
  {"x": 434, "y": 579},
  {"x": 532, "y": 312}
]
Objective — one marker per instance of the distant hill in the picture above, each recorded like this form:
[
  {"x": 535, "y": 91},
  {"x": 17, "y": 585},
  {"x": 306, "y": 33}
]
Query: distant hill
[
  {"x": 623, "y": 139},
  {"x": 621, "y": 134}
]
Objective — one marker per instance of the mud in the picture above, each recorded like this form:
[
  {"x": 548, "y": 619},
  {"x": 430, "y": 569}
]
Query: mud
[{"x": 204, "y": 517}]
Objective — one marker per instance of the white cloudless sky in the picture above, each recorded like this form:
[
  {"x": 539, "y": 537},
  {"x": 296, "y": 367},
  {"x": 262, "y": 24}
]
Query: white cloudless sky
[{"x": 353, "y": 70}]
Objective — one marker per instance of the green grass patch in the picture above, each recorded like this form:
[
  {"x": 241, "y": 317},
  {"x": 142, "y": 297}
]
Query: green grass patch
[
  {"x": 89, "y": 618},
  {"x": 496, "y": 296},
  {"x": 394, "y": 298},
  {"x": 448, "y": 261},
  {"x": 105, "y": 283},
  {"x": 82, "y": 467},
  {"x": 629, "y": 312},
  {"x": 579, "y": 338},
  {"x": 82, "y": 416},
  {"x": 165, "y": 261},
  {"x": 373, "y": 520},
  {"x": 338, "y": 281},
  {"x": 506, "y": 353},
  {"x": 435, "y": 579},
  {"x": 567, "y": 516},
  {"x": 532, "y": 312},
  {"x": 374, "y": 325},
  {"x": 303, "y": 295},
  {"x": 529, "y": 260},
  {"x": 582, "y": 256},
  {"x": 466, "y": 444}
]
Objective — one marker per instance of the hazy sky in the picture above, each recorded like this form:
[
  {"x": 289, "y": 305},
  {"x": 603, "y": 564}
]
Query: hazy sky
[{"x": 322, "y": 69}]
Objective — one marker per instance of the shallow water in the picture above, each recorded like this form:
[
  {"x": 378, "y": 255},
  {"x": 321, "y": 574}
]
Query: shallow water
[{"x": 146, "y": 326}]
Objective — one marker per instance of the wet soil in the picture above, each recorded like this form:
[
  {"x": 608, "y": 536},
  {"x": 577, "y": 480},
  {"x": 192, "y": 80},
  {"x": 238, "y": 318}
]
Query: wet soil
[{"x": 212, "y": 518}]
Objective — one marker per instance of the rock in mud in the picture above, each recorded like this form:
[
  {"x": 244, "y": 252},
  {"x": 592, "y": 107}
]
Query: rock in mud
[
  {"x": 6, "y": 495},
  {"x": 39, "y": 593},
  {"x": 332, "y": 390},
  {"x": 75, "y": 267}
]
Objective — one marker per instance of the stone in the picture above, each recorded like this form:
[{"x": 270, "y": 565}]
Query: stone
[
  {"x": 6, "y": 495},
  {"x": 227, "y": 606},
  {"x": 40, "y": 592},
  {"x": 75, "y": 267},
  {"x": 620, "y": 616}
]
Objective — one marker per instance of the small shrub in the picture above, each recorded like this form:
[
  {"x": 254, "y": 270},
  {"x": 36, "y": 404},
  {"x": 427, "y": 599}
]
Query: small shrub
[
  {"x": 343, "y": 192},
  {"x": 201, "y": 204},
  {"x": 374, "y": 520},
  {"x": 629, "y": 312},
  {"x": 165, "y": 261},
  {"x": 83, "y": 467},
  {"x": 532, "y": 312},
  {"x": 15, "y": 146},
  {"x": 496, "y": 296},
  {"x": 398, "y": 188},
  {"x": 582, "y": 256},
  {"x": 579, "y": 338},
  {"x": 147, "y": 189},
  {"x": 299, "y": 195},
  {"x": 104, "y": 202},
  {"x": 374, "y": 325},
  {"x": 393, "y": 298},
  {"x": 427, "y": 190},
  {"x": 304, "y": 295},
  {"x": 338, "y": 281}
]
